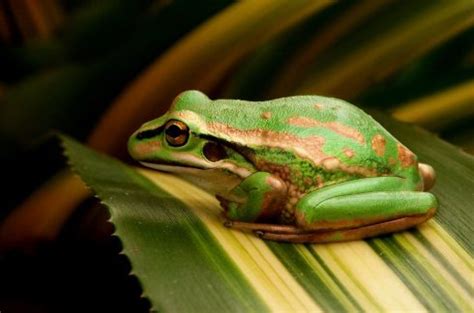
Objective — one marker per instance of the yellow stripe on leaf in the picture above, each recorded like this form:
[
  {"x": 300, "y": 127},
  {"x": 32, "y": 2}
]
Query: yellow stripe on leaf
[
  {"x": 198, "y": 61},
  {"x": 270, "y": 279},
  {"x": 363, "y": 270},
  {"x": 439, "y": 109},
  {"x": 387, "y": 50}
]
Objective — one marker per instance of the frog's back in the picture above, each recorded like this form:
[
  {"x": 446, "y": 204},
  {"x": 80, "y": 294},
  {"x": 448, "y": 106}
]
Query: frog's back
[{"x": 334, "y": 137}]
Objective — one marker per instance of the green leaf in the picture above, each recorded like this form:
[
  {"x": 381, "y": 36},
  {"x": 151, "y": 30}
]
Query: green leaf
[
  {"x": 226, "y": 37},
  {"x": 73, "y": 95},
  {"x": 180, "y": 265},
  {"x": 385, "y": 45},
  {"x": 187, "y": 261},
  {"x": 440, "y": 109}
]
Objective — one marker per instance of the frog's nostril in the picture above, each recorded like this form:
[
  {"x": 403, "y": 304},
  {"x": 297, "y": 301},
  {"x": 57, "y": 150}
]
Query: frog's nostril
[{"x": 150, "y": 133}]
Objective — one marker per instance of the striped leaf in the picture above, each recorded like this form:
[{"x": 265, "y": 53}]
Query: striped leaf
[
  {"x": 187, "y": 261},
  {"x": 441, "y": 109},
  {"x": 385, "y": 45},
  {"x": 198, "y": 61}
]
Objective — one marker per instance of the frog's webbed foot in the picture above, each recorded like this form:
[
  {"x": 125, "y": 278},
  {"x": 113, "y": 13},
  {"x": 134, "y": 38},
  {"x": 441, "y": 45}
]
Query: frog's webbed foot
[{"x": 321, "y": 236}]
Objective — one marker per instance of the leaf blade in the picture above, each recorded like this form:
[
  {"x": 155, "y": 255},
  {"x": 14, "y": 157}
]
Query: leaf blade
[
  {"x": 342, "y": 276},
  {"x": 162, "y": 231}
]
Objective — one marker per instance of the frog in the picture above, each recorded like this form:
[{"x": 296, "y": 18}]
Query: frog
[{"x": 301, "y": 169}]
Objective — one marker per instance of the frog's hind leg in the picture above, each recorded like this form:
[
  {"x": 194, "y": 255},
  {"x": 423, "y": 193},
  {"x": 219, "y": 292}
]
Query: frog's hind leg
[
  {"x": 358, "y": 209},
  {"x": 361, "y": 202},
  {"x": 322, "y": 236}
]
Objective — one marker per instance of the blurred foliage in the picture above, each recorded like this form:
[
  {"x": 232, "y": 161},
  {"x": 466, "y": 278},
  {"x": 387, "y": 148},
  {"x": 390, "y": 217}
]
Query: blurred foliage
[
  {"x": 78, "y": 72},
  {"x": 97, "y": 69}
]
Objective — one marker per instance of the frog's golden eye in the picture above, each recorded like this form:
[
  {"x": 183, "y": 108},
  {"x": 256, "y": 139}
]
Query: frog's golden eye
[{"x": 177, "y": 133}]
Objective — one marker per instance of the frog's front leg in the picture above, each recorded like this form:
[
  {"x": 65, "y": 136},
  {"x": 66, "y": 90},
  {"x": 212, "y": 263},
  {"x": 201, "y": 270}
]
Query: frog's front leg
[
  {"x": 358, "y": 209},
  {"x": 263, "y": 196}
]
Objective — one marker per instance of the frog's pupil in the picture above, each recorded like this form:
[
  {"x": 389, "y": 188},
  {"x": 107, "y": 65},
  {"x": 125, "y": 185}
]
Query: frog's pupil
[{"x": 174, "y": 131}]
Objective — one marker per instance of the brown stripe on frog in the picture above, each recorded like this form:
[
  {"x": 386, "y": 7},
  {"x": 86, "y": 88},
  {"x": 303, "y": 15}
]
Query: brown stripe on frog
[
  {"x": 405, "y": 156},
  {"x": 274, "y": 199},
  {"x": 348, "y": 152},
  {"x": 309, "y": 148},
  {"x": 336, "y": 127},
  {"x": 144, "y": 149},
  {"x": 392, "y": 161},
  {"x": 332, "y": 164},
  {"x": 266, "y": 115},
  {"x": 378, "y": 144},
  {"x": 292, "y": 192}
]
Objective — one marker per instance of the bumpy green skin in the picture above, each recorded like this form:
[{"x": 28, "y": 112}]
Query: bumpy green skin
[{"x": 306, "y": 146}]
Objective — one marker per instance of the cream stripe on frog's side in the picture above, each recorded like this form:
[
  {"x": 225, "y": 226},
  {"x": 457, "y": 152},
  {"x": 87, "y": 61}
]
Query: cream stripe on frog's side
[
  {"x": 263, "y": 270},
  {"x": 362, "y": 271}
]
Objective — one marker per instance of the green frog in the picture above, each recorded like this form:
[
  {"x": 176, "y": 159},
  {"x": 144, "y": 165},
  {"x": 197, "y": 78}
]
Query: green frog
[{"x": 295, "y": 169}]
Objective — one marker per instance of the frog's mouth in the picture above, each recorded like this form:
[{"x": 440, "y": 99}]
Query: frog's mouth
[{"x": 171, "y": 167}]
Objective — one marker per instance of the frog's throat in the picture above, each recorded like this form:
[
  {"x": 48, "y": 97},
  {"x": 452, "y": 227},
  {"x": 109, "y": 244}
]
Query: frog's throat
[{"x": 214, "y": 180}]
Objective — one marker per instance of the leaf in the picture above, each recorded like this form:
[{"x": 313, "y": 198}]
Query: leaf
[
  {"x": 187, "y": 261},
  {"x": 289, "y": 49},
  {"x": 74, "y": 94},
  {"x": 42, "y": 215},
  {"x": 198, "y": 61},
  {"x": 385, "y": 45},
  {"x": 440, "y": 109},
  {"x": 324, "y": 37},
  {"x": 421, "y": 77},
  {"x": 180, "y": 265}
]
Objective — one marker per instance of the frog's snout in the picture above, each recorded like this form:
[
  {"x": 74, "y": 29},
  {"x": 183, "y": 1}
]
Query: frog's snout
[
  {"x": 142, "y": 150},
  {"x": 428, "y": 174},
  {"x": 132, "y": 147}
]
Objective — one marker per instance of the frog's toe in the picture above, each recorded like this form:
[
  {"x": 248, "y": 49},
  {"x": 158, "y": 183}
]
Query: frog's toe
[
  {"x": 224, "y": 203},
  {"x": 428, "y": 174}
]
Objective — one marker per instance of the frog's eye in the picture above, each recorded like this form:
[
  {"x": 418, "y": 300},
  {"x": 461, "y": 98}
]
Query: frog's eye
[{"x": 177, "y": 133}]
